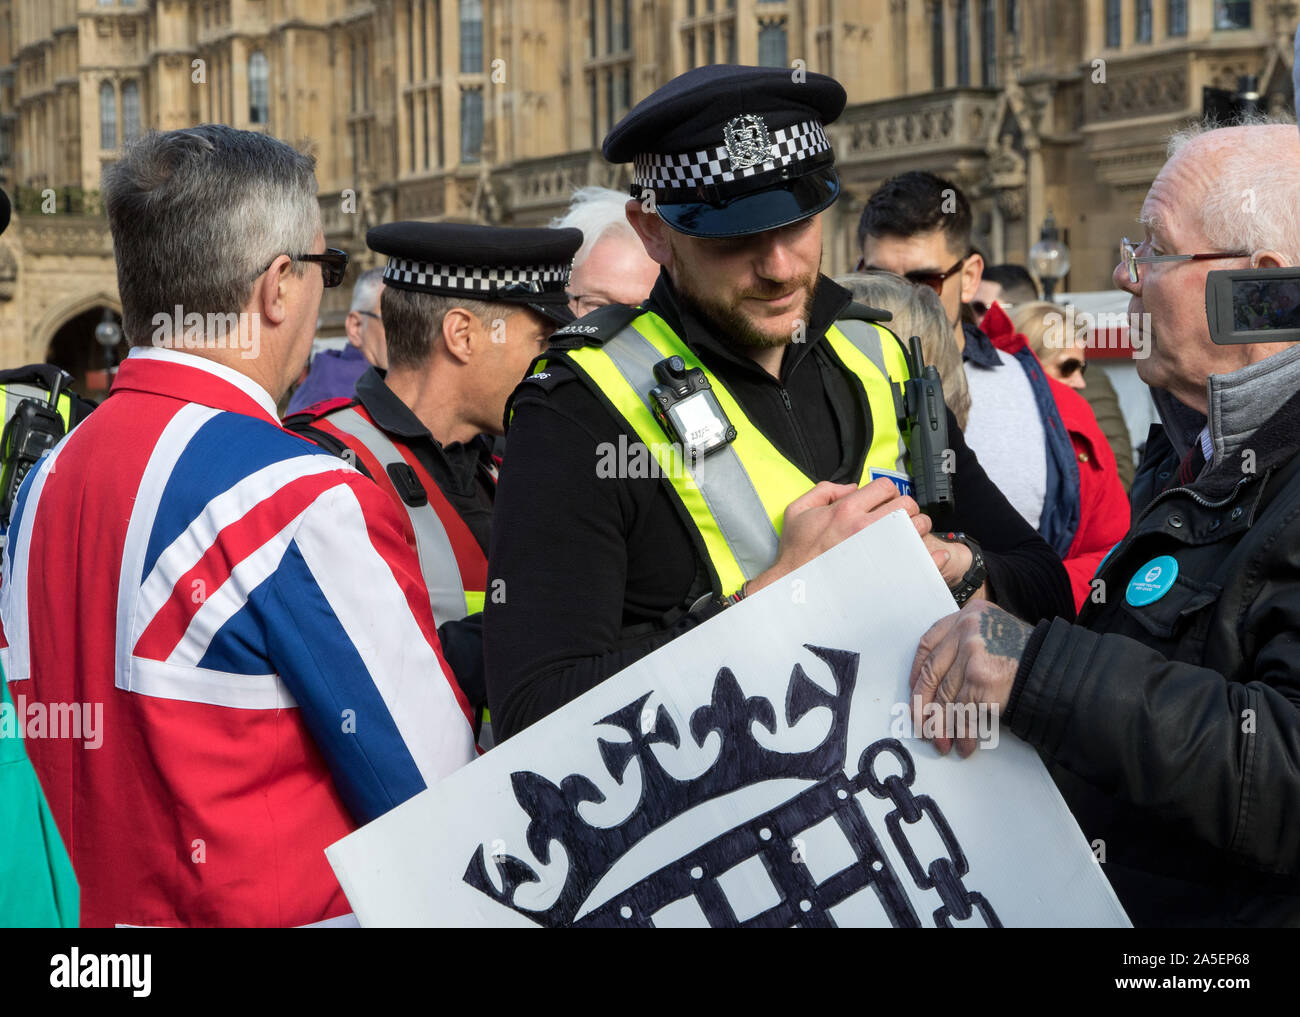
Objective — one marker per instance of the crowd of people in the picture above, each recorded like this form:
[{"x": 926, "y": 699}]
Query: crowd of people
[{"x": 294, "y": 623}]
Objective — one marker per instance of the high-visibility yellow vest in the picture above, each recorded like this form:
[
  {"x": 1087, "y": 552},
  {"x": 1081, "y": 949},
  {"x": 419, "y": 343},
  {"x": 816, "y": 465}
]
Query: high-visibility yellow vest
[{"x": 735, "y": 498}]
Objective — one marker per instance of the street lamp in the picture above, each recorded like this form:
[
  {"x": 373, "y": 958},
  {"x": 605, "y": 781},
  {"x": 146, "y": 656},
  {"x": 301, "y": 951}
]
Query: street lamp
[
  {"x": 108, "y": 333},
  {"x": 1049, "y": 258}
]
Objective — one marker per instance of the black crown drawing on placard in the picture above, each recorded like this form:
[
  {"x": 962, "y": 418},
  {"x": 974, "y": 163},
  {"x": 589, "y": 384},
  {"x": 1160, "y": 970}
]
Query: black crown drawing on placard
[{"x": 700, "y": 886}]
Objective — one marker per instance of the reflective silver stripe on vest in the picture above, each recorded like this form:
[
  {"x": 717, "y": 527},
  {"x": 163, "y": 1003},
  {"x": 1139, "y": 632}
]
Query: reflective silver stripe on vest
[
  {"x": 723, "y": 482},
  {"x": 437, "y": 559},
  {"x": 865, "y": 338}
]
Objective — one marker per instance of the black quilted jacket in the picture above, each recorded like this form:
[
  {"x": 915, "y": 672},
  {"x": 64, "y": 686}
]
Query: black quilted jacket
[{"x": 1173, "y": 729}]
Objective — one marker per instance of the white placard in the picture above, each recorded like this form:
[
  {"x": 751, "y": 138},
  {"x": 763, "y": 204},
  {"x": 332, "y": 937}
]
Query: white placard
[{"x": 717, "y": 782}]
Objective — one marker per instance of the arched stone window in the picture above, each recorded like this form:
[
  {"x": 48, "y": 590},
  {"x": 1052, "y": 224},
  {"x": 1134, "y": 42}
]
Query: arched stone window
[
  {"x": 259, "y": 89},
  {"x": 130, "y": 110},
  {"x": 107, "y": 116}
]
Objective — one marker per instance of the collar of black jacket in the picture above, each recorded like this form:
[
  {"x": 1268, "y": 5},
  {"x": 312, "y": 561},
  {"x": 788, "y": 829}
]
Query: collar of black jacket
[
  {"x": 1182, "y": 424},
  {"x": 1246, "y": 406},
  {"x": 390, "y": 413},
  {"x": 828, "y": 303},
  {"x": 1254, "y": 420},
  {"x": 979, "y": 347},
  {"x": 395, "y": 418}
]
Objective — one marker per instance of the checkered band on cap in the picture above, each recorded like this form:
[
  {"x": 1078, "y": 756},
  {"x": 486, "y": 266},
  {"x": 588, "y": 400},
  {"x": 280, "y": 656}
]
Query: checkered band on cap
[
  {"x": 486, "y": 280},
  {"x": 687, "y": 171}
]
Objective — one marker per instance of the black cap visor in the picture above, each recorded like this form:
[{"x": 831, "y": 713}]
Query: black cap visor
[
  {"x": 556, "y": 311},
  {"x": 768, "y": 209}
]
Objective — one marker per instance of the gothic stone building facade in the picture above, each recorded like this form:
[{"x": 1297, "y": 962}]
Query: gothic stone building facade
[{"x": 493, "y": 110}]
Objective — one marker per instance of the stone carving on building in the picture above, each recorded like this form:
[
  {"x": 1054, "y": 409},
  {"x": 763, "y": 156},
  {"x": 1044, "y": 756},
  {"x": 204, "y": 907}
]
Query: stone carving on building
[{"x": 1140, "y": 93}]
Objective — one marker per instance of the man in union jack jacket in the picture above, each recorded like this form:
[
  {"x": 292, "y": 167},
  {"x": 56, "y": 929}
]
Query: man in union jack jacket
[{"x": 242, "y": 604}]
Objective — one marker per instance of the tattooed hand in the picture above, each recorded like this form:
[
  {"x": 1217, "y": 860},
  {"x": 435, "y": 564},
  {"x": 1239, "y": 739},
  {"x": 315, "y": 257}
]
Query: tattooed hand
[{"x": 968, "y": 657}]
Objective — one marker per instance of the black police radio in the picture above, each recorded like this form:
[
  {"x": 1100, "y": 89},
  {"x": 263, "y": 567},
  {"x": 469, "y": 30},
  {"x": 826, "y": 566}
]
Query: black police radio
[
  {"x": 926, "y": 416},
  {"x": 688, "y": 410},
  {"x": 33, "y": 430}
]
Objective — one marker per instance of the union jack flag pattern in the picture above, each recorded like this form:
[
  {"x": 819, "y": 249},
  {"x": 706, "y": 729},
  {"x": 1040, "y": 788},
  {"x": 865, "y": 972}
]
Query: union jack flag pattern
[{"x": 249, "y": 614}]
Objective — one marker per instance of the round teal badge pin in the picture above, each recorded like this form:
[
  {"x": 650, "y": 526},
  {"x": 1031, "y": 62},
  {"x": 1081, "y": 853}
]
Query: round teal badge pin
[{"x": 1152, "y": 581}]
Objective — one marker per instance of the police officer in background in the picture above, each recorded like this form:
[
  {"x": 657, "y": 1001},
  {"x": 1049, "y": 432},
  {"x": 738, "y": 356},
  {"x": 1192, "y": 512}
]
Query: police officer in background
[
  {"x": 466, "y": 309},
  {"x": 800, "y": 446}
]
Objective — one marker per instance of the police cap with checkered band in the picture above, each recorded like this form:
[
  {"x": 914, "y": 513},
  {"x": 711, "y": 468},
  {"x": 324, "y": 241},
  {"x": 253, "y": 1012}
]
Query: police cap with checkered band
[
  {"x": 728, "y": 150},
  {"x": 496, "y": 264}
]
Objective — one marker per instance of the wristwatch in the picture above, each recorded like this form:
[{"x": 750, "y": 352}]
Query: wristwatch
[
  {"x": 709, "y": 605},
  {"x": 975, "y": 576}
]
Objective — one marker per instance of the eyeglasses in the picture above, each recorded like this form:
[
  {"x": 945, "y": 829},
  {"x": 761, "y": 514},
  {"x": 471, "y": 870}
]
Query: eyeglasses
[
  {"x": 372, "y": 314},
  {"x": 935, "y": 280},
  {"x": 585, "y": 303},
  {"x": 1129, "y": 257},
  {"x": 333, "y": 264}
]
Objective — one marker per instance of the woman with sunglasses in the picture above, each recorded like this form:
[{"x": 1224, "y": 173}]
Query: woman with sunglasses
[
  {"x": 1067, "y": 362},
  {"x": 1061, "y": 347},
  {"x": 1062, "y": 350}
]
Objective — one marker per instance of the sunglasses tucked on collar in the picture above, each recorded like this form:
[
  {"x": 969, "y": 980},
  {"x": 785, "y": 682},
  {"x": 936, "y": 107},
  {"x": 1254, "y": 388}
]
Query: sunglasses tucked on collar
[{"x": 333, "y": 264}]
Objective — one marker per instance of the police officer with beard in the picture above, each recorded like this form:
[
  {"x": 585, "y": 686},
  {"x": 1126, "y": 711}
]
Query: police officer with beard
[{"x": 759, "y": 395}]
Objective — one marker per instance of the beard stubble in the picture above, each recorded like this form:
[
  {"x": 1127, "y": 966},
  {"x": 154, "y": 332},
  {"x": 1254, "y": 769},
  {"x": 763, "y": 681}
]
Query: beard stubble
[{"x": 730, "y": 323}]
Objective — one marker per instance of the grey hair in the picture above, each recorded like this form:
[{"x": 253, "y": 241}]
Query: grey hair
[
  {"x": 917, "y": 312},
  {"x": 366, "y": 288},
  {"x": 597, "y": 211},
  {"x": 197, "y": 214},
  {"x": 412, "y": 321},
  {"x": 1252, "y": 202}
]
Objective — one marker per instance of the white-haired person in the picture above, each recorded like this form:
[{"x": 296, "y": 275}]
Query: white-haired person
[
  {"x": 917, "y": 311},
  {"x": 611, "y": 266},
  {"x": 1169, "y": 715}
]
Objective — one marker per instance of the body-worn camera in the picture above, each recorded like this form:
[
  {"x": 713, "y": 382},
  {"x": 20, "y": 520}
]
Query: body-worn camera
[
  {"x": 688, "y": 410},
  {"x": 926, "y": 414},
  {"x": 1253, "y": 305}
]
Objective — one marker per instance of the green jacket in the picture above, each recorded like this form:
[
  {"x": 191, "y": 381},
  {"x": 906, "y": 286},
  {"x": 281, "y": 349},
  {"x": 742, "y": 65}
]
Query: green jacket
[{"x": 37, "y": 885}]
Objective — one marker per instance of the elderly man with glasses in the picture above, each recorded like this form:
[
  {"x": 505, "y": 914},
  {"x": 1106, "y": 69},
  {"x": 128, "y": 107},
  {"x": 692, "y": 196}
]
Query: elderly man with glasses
[
  {"x": 1169, "y": 716},
  {"x": 243, "y": 607},
  {"x": 1038, "y": 441},
  {"x": 611, "y": 266}
]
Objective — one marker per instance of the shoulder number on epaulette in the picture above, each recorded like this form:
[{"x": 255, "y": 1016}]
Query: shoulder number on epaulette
[
  {"x": 594, "y": 329},
  {"x": 549, "y": 376}
]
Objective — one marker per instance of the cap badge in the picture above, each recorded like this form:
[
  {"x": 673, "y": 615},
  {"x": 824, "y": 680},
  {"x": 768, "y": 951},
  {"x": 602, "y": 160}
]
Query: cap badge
[{"x": 747, "y": 141}]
